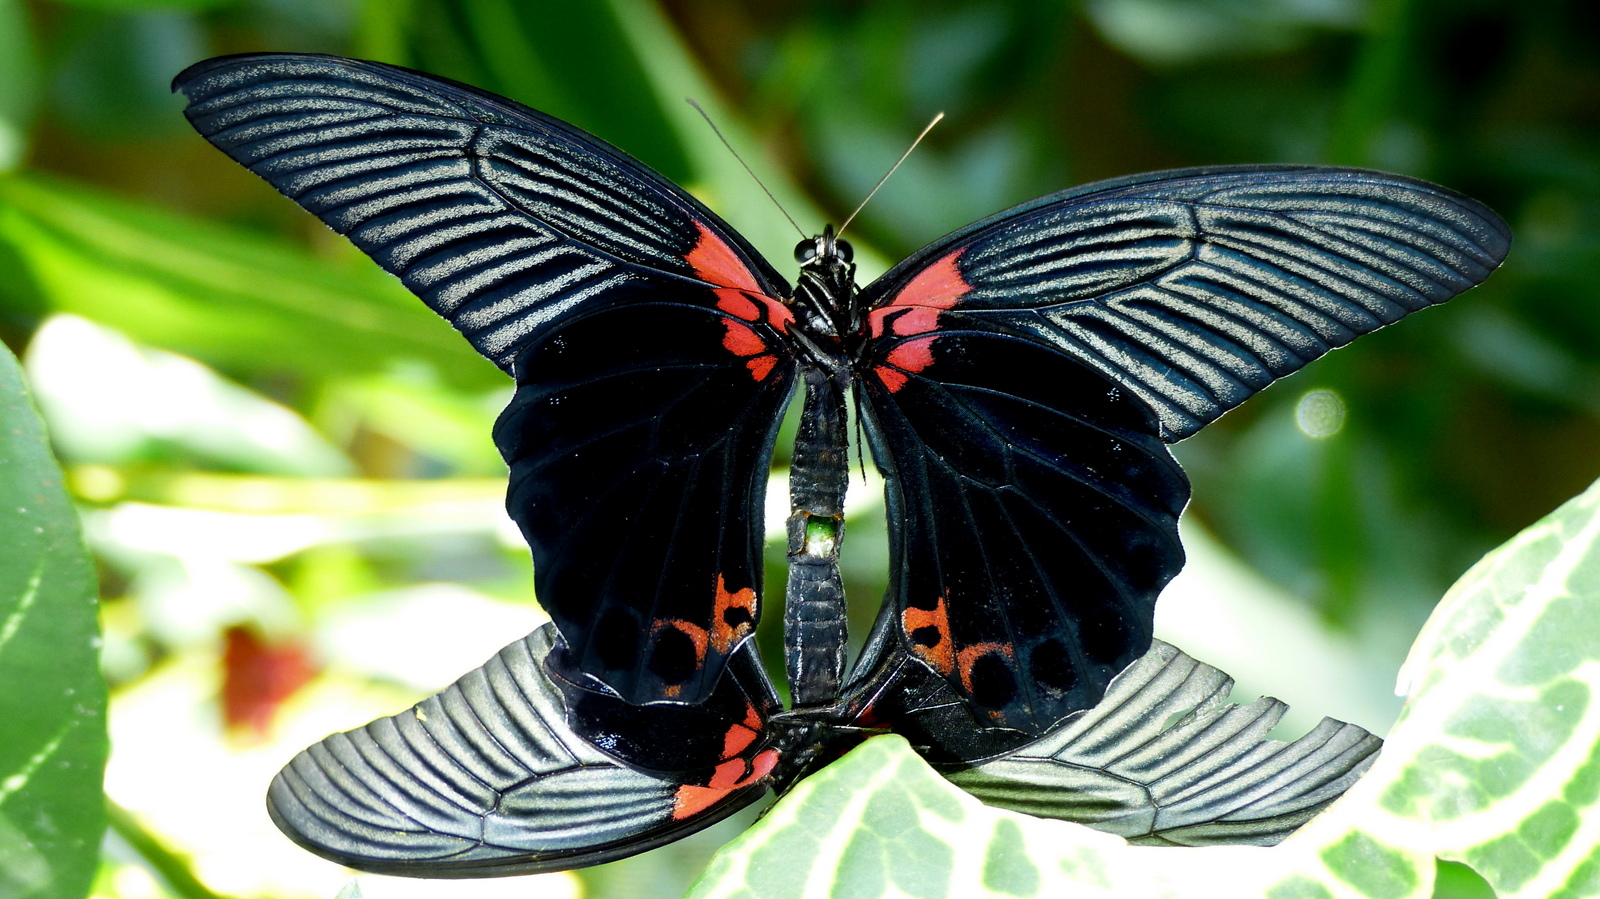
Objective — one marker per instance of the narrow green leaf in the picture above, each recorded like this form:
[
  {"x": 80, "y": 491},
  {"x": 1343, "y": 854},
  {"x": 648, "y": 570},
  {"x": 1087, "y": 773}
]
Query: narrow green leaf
[
  {"x": 53, "y": 707},
  {"x": 233, "y": 300}
]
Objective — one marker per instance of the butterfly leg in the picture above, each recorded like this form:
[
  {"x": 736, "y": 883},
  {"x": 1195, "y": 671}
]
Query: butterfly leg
[{"x": 814, "y": 611}]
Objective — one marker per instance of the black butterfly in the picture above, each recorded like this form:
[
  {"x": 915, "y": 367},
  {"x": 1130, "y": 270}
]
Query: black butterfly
[{"x": 1017, "y": 380}]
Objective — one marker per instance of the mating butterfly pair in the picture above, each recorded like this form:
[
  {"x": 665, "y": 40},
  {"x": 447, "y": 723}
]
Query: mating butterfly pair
[{"x": 1017, "y": 381}]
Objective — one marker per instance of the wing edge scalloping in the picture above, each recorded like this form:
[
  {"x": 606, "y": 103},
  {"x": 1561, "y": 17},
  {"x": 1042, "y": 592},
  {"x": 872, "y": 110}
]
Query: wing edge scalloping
[{"x": 1241, "y": 789}]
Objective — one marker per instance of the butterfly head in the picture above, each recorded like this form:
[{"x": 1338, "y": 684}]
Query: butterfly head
[
  {"x": 827, "y": 282},
  {"x": 824, "y": 250}
]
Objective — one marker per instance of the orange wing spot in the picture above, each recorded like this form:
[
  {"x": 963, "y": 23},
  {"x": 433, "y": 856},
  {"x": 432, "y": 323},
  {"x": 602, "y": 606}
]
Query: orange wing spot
[
  {"x": 970, "y": 655},
  {"x": 691, "y": 800},
  {"x": 915, "y": 308},
  {"x": 941, "y": 653},
  {"x": 738, "y": 304},
  {"x": 752, "y": 718},
  {"x": 737, "y": 740},
  {"x": 734, "y": 614}
]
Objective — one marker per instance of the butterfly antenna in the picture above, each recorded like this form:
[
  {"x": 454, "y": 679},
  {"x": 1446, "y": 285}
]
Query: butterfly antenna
[
  {"x": 707, "y": 116},
  {"x": 886, "y": 175}
]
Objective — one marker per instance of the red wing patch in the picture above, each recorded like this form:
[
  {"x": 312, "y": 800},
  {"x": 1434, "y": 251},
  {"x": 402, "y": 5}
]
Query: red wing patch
[
  {"x": 915, "y": 308},
  {"x": 928, "y": 631},
  {"x": 738, "y": 295},
  {"x": 731, "y": 775},
  {"x": 910, "y": 356},
  {"x": 716, "y": 263}
]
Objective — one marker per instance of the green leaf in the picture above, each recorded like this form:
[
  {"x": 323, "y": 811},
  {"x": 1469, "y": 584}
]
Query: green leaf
[
  {"x": 1495, "y": 763},
  {"x": 236, "y": 301},
  {"x": 53, "y": 708}
]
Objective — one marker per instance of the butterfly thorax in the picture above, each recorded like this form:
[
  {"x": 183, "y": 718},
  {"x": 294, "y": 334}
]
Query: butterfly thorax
[{"x": 824, "y": 298}]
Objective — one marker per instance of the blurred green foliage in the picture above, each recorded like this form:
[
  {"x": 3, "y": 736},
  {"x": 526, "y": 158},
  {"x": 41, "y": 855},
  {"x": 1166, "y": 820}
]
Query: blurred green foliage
[{"x": 1459, "y": 427}]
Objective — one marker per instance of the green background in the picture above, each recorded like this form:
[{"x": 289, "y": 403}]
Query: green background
[{"x": 333, "y": 396}]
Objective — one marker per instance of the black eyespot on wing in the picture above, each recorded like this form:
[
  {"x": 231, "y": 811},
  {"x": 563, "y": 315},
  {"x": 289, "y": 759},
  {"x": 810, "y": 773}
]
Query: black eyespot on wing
[
  {"x": 993, "y": 684},
  {"x": 1051, "y": 667}
]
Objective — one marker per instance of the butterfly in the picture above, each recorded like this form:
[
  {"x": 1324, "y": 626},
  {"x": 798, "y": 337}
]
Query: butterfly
[{"x": 1018, "y": 382}]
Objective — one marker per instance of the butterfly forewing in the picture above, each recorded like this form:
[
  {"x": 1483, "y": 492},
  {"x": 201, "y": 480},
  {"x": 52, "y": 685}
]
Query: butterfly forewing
[
  {"x": 658, "y": 353},
  {"x": 1030, "y": 540},
  {"x": 1196, "y": 288},
  {"x": 639, "y": 461}
]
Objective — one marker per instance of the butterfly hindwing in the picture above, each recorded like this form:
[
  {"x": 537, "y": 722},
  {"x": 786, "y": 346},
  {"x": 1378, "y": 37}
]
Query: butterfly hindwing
[
  {"x": 1196, "y": 288},
  {"x": 486, "y": 778},
  {"x": 1164, "y": 759},
  {"x": 652, "y": 359}
]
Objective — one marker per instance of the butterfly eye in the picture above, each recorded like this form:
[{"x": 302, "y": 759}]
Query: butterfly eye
[
  {"x": 845, "y": 251},
  {"x": 805, "y": 250}
]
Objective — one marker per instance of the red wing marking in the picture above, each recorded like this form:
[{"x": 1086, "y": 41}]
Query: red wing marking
[
  {"x": 894, "y": 380},
  {"x": 909, "y": 356},
  {"x": 738, "y": 294},
  {"x": 691, "y": 800},
  {"x": 915, "y": 308},
  {"x": 716, "y": 263},
  {"x": 728, "y": 774},
  {"x": 734, "y": 615},
  {"x": 761, "y": 366},
  {"x": 928, "y": 632},
  {"x": 762, "y": 764},
  {"x": 970, "y": 655},
  {"x": 731, "y": 775},
  {"x": 913, "y": 355},
  {"x": 737, "y": 740},
  {"x": 741, "y": 340}
]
